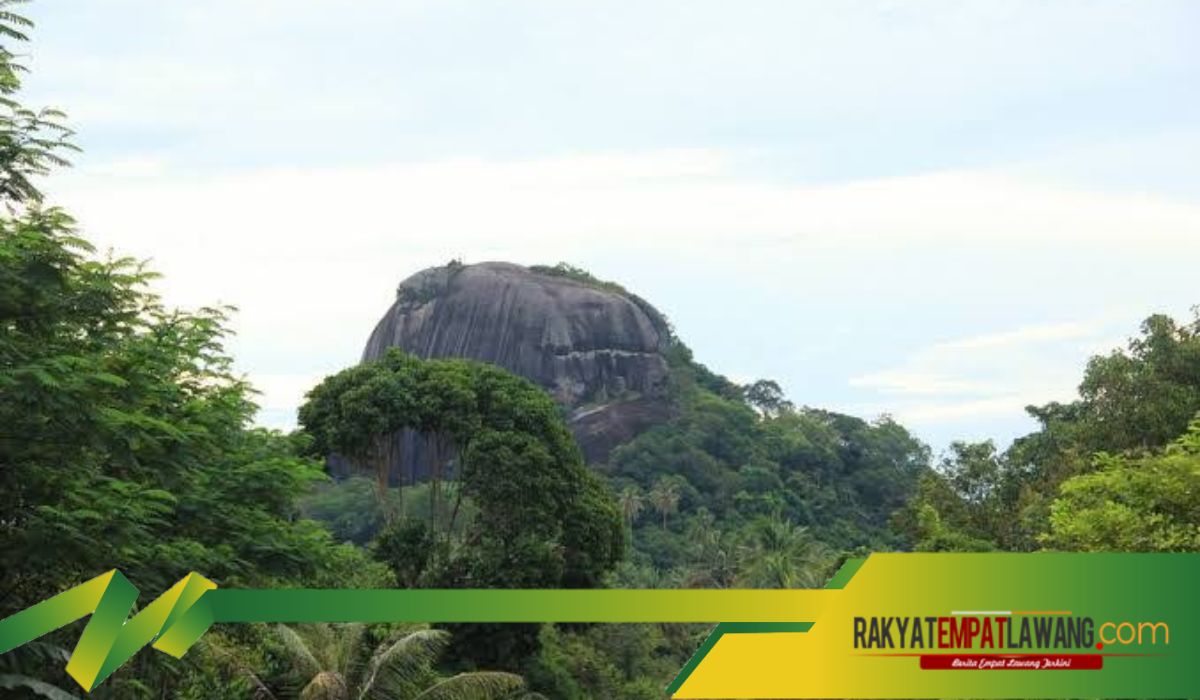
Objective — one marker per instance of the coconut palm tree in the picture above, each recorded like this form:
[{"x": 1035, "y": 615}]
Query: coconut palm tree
[
  {"x": 332, "y": 664},
  {"x": 712, "y": 553},
  {"x": 665, "y": 497},
  {"x": 778, "y": 554},
  {"x": 631, "y": 502}
]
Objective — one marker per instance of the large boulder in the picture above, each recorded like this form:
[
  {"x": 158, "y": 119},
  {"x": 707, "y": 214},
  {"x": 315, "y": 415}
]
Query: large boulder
[{"x": 597, "y": 349}]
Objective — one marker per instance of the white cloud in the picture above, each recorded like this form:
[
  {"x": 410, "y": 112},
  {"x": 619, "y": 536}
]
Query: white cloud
[
  {"x": 918, "y": 383},
  {"x": 312, "y": 256},
  {"x": 648, "y": 200},
  {"x": 131, "y": 167},
  {"x": 811, "y": 283},
  {"x": 992, "y": 375},
  {"x": 1025, "y": 335},
  {"x": 954, "y": 411},
  {"x": 279, "y": 395}
]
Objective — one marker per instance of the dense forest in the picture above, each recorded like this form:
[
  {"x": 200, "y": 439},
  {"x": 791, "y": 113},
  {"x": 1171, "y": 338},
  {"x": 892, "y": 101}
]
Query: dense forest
[{"x": 127, "y": 441}]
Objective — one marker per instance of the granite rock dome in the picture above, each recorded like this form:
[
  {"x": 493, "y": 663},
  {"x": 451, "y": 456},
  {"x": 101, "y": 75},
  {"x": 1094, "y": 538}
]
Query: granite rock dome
[{"x": 597, "y": 349}]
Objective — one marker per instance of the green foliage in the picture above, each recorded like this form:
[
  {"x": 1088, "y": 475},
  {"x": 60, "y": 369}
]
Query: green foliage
[
  {"x": 777, "y": 554},
  {"x": 34, "y": 655},
  {"x": 740, "y": 489},
  {"x": 233, "y": 663},
  {"x": 631, "y": 501},
  {"x": 933, "y": 535},
  {"x": 632, "y": 662},
  {"x": 519, "y": 466},
  {"x": 1133, "y": 503},
  {"x": 340, "y": 662},
  {"x": 353, "y": 512},
  {"x": 32, "y": 141},
  {"x": 407, "y": 547},
  {"x": 126, "y": 442},
  {"x": 125, "y": 438},
  {"x": 665, "y": 496},
  {"x": 350, "y": 509},
  {"x": 568, "y": 271},
  {"x": 767, "y": 397},
  {"x": 964, "y": 505},
  {"x": 1070, "y": 483},
  {"x": 1144, "y": 396},
  {"x": 734, "y": 458},
  {"x": 1137, "y": 398},
  {"x": 542, "y": 519}
]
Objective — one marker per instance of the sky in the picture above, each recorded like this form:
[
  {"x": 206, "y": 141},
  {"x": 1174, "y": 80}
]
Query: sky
[{"x": 932, "y": 210}]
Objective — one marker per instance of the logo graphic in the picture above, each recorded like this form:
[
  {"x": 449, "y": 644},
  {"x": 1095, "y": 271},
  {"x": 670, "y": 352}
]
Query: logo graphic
[
  {"x": 928, "y": 626},
  {"x": 1064, "y": 641},
  {"x": 173, "y": 622},
  {"x": 1115, "y": 625},
  {"x": 176, "y": 620}
]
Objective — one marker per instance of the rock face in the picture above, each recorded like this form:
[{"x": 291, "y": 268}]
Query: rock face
[{"x": 597, "y": 350}]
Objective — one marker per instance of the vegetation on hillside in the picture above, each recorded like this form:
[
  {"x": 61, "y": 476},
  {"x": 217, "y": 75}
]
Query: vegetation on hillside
[
  {"x": 571, "y": 272},
  {"x": 127, "y": 441},
  {"x": 543, "y": 520},
  {"x": 1111, "y": 471}
]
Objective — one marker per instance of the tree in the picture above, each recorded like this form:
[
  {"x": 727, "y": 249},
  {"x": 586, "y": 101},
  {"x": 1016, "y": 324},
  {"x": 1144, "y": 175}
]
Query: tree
[
  {"x": 127, "y": 441},
  {"x": 518, "y": 464},
  {"x": 336, "y": 663},
  {"x": 766, "y": 396},
  {"x": 665, "y": 497},
  {"x": 126, "y": 438},
  {"x": 31, "y": 140},
  {"x": 1138, "y": 397},
  {"x": 542, "y": 519},
  {"x": 408, "y": 548},
  {"x": 358, "y": 413},
  {"x": 1132, "y": 403},
  {"x": 1146, "y": 395},
  {"x": 1133, "y": 503},
  {"x": 933, "y": 535},
  {"x": 778, "y": 554},
  {"x": 631, "y": 502}
]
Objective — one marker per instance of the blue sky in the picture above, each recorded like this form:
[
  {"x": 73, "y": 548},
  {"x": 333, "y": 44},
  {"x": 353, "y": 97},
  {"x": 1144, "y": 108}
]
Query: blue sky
[{"x": 936, "y": 210}]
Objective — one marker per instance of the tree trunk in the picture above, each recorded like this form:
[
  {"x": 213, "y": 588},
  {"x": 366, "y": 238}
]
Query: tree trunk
[{"x": 384, "y": 451}]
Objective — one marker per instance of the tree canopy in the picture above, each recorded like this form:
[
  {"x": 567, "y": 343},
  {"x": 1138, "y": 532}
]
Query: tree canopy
[
  {"x": 1112, "y": 470},
  {"x": 516, "y": 461},
  {"x": 125, "y": 435},
  {"x": 1133, "y": 503},
  {"x": 127, "y": 441}
]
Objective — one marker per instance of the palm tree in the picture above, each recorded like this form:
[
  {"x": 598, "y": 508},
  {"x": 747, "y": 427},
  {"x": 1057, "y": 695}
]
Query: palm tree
[
  {"x": 330, "y": 662},
  {"x": 712, "y": 553},
  {"x": 665, "y": 497},
  {"x": 631, "y": 504},
  {"x": 778, "y": 554}
]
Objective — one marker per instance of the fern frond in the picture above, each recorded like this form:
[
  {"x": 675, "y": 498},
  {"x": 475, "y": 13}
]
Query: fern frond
[
  {"x": 228, "y": 657},
  {"x": 397, "y": 668},
  {"x": 301, "y": 657},
  {"x": 14, "y": 18},
  {"x": 327, "y": 685},
  {"x": 479, "y": 685},
  {"x": 12, "y": 33}
]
